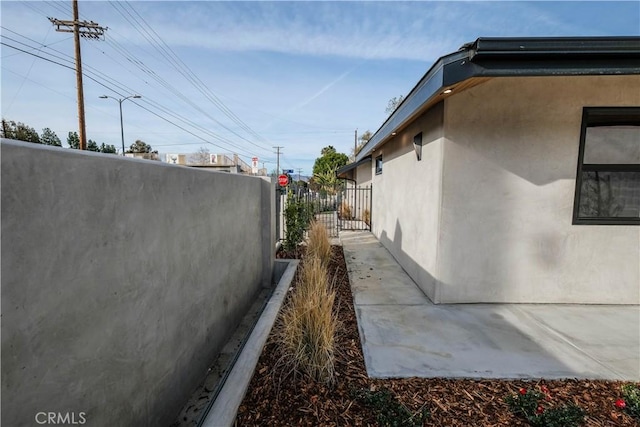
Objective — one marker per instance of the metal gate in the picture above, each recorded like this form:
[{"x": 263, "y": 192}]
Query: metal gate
[
  {"x": 354, "y": 209},
  {"x": 349, "y": 209},
  {"x": 321, "y": 207},
  {"x": 325, "y": 209}
]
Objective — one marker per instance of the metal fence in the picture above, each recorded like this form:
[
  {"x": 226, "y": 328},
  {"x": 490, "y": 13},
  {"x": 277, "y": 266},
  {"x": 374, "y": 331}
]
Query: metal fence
[
  {"x": 354, "y": 210},
  {"x": 349, "y": 209}
]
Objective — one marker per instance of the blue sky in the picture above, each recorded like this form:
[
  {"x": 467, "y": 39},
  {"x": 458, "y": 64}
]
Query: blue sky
[{"x": 246, "y": 76}]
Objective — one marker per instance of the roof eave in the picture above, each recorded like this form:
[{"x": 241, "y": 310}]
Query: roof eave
[
  {"x": 512, "y": 57},
  {"x": 347, "y": 168},
  {"x": 429, "y": 86}
]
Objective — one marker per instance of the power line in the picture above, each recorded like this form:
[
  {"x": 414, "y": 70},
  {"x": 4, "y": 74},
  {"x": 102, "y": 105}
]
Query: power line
[
  {"x": 166, "y": 52},
  {"x": 124, "y": 88},
  {"x": 79, "y": 29},
  {"x": 111, "y": 89},
  {"x": 99, "y": 77},
  {"x": 172, "y": 60},
  {"x": 148, "y": 71}
]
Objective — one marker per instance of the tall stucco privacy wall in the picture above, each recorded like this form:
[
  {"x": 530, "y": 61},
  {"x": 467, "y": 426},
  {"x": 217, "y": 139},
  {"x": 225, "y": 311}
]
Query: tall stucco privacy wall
[{"x": 121, "y": 280}]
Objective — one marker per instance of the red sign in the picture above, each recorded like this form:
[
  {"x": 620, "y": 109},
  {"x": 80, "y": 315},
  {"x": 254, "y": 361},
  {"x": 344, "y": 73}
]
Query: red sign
[{"x": 283, "y": 180}]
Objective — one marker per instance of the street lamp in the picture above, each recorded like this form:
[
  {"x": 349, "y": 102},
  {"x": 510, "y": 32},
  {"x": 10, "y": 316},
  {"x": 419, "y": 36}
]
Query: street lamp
[{"x": 120, "y": 101}]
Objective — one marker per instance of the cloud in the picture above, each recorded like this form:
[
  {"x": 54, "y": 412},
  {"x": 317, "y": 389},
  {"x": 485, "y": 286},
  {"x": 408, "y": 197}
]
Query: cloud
[{"x": 364, "y": 30}]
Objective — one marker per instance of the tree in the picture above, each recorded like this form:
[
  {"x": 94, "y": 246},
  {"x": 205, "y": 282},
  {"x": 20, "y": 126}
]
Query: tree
[
  {"x": 140, "y": 147},
  {"x": 49, "y": 137},
  {"x": 108, "y": 149},
  {"x": 393, "y": 104},
  {"x": 74, "y": 143},
  {"x": 325, "y": 167},
  {"x": 200, "y": 157},
  {"x": 330, "y": 160},
  {"x": 327, "y": 181},
  {"x": 19, "y": 131},
  {"x": 92, "y": 146},
  {"x": 73, "y": 140}
]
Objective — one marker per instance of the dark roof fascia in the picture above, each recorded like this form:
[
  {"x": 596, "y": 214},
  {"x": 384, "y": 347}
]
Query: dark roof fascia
[
  {"x": 548, "y": 47},
  {"x": 514, "y": 57},
  {"x": 351, "y": 166}
]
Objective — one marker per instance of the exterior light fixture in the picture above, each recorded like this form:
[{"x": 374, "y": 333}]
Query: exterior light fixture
[
  {"x": 393, "y": 134},
  {"x": 447, "y": 91},
  {"x": 417, "y": 145}
]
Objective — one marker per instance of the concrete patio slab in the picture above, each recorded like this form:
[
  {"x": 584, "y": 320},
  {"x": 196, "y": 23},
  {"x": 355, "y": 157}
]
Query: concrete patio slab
[{"x": 404, "y": 335}]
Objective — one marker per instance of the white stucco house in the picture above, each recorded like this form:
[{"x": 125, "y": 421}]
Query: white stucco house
[{"x": 511, "y": 173}]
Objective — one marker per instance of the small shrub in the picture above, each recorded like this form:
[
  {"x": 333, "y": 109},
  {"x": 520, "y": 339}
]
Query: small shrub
[
  {"x": 530, "y": 405},
  {"x": 631, "y": 396},
  {"x": 345, "y": 211},
  {"x": 308, "y": 325},
  {"x": 390, "y": 412},
  {"x": 296, "y": 217},
  {"x": 366, "y": 217},
  {"x": 319, "y": 245}
]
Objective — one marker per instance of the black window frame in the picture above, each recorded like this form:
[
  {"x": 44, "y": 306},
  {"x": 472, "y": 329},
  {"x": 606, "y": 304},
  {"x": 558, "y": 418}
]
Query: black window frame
[
  {"x": 378, "y": 165},
  {"x": 603, "y": 116}
]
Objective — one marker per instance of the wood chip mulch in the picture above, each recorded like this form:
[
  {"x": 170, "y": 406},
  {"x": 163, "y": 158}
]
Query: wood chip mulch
[{"x": 277, "y": 397}]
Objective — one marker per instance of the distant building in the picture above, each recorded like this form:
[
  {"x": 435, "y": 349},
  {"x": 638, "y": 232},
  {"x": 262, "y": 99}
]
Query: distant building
[
  {"x": 231, "y": 163},
  {"x": 145, "y": 156}
]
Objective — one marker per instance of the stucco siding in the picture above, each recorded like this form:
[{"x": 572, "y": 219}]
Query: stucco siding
[
  {"x": 364, "y": 174},
  {"x": 506, "y": 233},
  {"x": 406, "y": 199}
]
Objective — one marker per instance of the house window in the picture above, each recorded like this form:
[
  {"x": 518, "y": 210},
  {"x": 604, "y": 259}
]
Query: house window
[
  {"x": 608, "y": 179},
  {"x": 379, "y": 164}
]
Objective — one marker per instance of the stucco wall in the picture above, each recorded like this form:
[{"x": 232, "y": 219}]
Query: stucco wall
[
  {"x": 510, "y": 161},
  {"x": 406, "y": 198},
  {"x": 486, "y": 216},
  {"x": 121, "y": 279},
  {"x": 364, "y": 174}
]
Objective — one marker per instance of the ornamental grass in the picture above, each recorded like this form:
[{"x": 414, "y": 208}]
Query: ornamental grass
[
  {"x": 318, "y": 244},
  {"x": 307, "y": 327}
]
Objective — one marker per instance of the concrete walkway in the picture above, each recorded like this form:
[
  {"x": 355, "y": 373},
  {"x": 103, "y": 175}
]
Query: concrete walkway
[{"x": 403, "y": 334}]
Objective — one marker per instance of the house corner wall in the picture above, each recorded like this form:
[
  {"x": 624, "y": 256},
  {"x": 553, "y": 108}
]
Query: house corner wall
[
  {"x": 506, "y": 234},
  {"x": 406, "y": 198}
]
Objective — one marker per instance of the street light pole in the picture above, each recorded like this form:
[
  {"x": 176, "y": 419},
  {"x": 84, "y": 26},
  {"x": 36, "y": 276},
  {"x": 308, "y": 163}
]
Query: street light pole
[
  {"x": 120, "y": 101},
  {"x": 121, "y": 126}
]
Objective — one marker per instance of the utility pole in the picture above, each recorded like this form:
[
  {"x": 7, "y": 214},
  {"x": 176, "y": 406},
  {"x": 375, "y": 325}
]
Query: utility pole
[
  {"x": 79, "y": 29},
  {"x": 278, "y": 160},
  {"x": 355, "y": 145},
  {"x": 299, "y": 170}
]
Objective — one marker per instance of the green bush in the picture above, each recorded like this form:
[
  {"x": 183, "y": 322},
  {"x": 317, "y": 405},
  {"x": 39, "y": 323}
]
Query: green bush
[
  {"x": 297, "y": 216},
  {"x": 529, "y": 405},
  {"x": 631, "y": 395},
  {"x": 389, "y": 412}
]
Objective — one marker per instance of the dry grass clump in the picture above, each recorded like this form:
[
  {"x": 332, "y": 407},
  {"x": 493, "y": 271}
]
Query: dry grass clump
[
  {"x": 307, "y": 327},
  {"x": 345, "y": 211},
  {"x": 366, "y": 217},
  {"x": 318, "y": 244}
]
